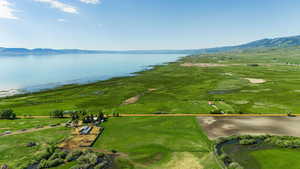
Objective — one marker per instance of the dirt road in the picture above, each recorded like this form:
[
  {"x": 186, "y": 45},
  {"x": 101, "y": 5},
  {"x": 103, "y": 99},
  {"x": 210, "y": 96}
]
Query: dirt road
[
  {"x": 30, "y": 130},
  {"x": 186, "y": 115}
]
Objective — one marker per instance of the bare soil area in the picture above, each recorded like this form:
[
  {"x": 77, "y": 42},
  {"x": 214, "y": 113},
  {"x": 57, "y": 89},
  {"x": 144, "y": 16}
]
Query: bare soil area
[
  {"x": 202, "y": 65},
  {"x": 227, "y": 126},
  {"x": 184, "y": 160},
  {"x": 255, "y": 81},
  {"x": 30, "y": 130},
  {"x": 131, "y": 100},
  {"x": 78, "y": 140}
]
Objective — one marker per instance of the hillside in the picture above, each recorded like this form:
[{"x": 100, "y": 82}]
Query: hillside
[{"x": 263, "y": 43}]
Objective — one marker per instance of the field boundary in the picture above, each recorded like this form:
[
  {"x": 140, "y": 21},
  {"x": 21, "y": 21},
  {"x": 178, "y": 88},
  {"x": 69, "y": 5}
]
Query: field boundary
[{"x": 183, "y": 115}]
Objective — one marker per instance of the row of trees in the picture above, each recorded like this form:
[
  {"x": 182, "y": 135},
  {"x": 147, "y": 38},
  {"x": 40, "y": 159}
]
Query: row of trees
[
  {"x": 8, "y": 114},
  {"x": 79, "y": 115}
]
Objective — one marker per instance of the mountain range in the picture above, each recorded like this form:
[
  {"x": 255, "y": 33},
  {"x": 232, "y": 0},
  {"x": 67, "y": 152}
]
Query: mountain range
[{"x": 263, "y": 43}]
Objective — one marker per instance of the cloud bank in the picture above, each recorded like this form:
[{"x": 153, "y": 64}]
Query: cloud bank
[
  {"x": 6, "y": 10},
  {"x": 59, "y": 5},
  {"x": 91, "y": 1}
]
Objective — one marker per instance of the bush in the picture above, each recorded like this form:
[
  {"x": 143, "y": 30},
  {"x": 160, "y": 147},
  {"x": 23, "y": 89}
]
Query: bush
[
  {"x": 57, "y": 114},
  {"x": 73, "y": 155},
  {"x": 247, "y": 141},
  {"x": 54, "y": 163},
  {"x": 216, "y": 111},
  {"x": 235, "y": 165},
  {"x": 43, "y": 164},
  {"x": 101, "y": 165},
  {"x": 89, "y": 158},
  {"x": 59, "y": 154},
  {"x": 44, "y": 155},
  {"x": 81, "y": 166}
]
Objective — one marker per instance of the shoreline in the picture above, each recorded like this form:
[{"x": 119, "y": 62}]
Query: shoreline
[{"x": 78, "y": 82}]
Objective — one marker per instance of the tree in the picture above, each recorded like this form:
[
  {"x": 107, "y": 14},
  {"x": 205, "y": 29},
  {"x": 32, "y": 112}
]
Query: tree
[
  {"x": 57, "y": 114},
  {"x": 8, "y": 114}
]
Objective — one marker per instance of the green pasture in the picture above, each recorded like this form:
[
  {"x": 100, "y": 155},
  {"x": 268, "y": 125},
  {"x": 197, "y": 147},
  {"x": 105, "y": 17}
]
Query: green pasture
[
  {"x": 15, "y": 153},
  {"x": 19, "y": 124},
  {"x": 184, "y": 89},
  {"x": 152, "y": 142}
]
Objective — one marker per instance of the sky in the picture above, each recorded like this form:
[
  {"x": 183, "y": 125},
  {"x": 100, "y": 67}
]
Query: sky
[{"x": 144, "y": 24}]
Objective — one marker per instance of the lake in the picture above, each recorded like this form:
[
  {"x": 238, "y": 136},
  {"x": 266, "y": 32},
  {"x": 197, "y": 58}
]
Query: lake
[{"x": 19, "y": 74}]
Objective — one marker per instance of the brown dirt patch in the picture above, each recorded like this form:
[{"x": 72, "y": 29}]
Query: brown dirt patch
[
  {"x": 136, "y": 98},
  {"x": 202, "y": 65},
  {"x": 227, "y": 126},
  {"x": 256, "y": 81},
  {"x": 152, "y": 89},
  {"x": 30, "y": 130},
  {"x": 183, "y": 160},
  {"x": 131, "y": 100},
  {"x": 77, "y": 140},
  {"x": 208, "y": 64}
]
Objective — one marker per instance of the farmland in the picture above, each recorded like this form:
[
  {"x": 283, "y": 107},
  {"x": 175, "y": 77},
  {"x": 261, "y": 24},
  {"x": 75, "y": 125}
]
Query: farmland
[
  {"x": 174, "y": 88},
  {"x": 19, "y": 124},
  {"x": 157, "y": 142},
  {"x": 263, "y": 156},
  {"x": 242, "y": 82},
  {"x": 15, "y": 153}
]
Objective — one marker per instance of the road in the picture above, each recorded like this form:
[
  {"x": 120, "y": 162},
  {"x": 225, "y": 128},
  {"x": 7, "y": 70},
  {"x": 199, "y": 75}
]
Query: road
[{"x": 187, "y": 115}]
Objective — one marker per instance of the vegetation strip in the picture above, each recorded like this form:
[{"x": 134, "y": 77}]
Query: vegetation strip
[
  {"x": 241, "y": 152},
  {"x": 188, "y": 115}
]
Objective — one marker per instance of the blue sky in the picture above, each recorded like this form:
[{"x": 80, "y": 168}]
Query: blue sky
[{"x": 144, "y": 24}]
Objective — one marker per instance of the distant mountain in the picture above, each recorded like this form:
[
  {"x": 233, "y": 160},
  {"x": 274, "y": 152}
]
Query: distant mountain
[{"x": 264, "y": 43}]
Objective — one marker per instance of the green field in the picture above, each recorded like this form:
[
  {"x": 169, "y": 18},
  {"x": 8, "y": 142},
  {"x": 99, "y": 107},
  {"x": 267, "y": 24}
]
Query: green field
[
  {"x": 15, "y": 153},
  {"x": 18, "y": 124},
  {"x": 277, "y": 158},
  {"x": 184, "y": 89},
  {"x": 166, "y": 142},
  {"x": 263, "y": 156},
  {"x": 157, "y": 142}
]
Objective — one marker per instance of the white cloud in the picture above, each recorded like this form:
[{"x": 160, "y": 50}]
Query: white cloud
[
  {"x": 6, "y": 11},
  {"x": 61, "y": 20},
  {"x": 61, "y": 6},
  {"x": 90, "y": 1}
]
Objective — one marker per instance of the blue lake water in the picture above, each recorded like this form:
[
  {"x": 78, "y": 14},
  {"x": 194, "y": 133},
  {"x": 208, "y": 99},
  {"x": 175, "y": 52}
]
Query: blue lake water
[{"x": 32, "y": 73}]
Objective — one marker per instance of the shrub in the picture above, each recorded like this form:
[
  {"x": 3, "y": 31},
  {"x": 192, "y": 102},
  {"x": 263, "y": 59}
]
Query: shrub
[
  {"x": 44, "y": 155},
  {"x": 59, "y": 154},
  {"x": 235, "y": 165},
  {"x": 43, "y": 164},
  {"x": 57, "y": 114},
  {"x": 247, "y": 141},
  {"x": 89, "y": 158},
  {"x": 81, "y": 166},
  {"x": 73, "y": 155},
  {"x": 54, "y": 163},
  {"x": 101, "y": 165},
  {"x": 216, "y": 111}
]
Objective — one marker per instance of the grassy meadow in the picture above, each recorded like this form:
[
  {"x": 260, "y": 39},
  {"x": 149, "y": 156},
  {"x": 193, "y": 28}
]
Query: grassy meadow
[
  {"x": 15, "y": 153},
  {"x": 179, "y": 89},
  {"x": 277, "y": 158},
  {"x": 165, "y": 142},
  {"x": 260, "y": 157},
  {"x": 157, "y": 142},
  {"x": 19, "y": 124}
]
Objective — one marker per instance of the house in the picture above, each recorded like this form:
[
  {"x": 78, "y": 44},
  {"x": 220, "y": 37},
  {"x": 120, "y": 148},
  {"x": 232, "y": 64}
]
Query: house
[{"x": 85, "y": 130}]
